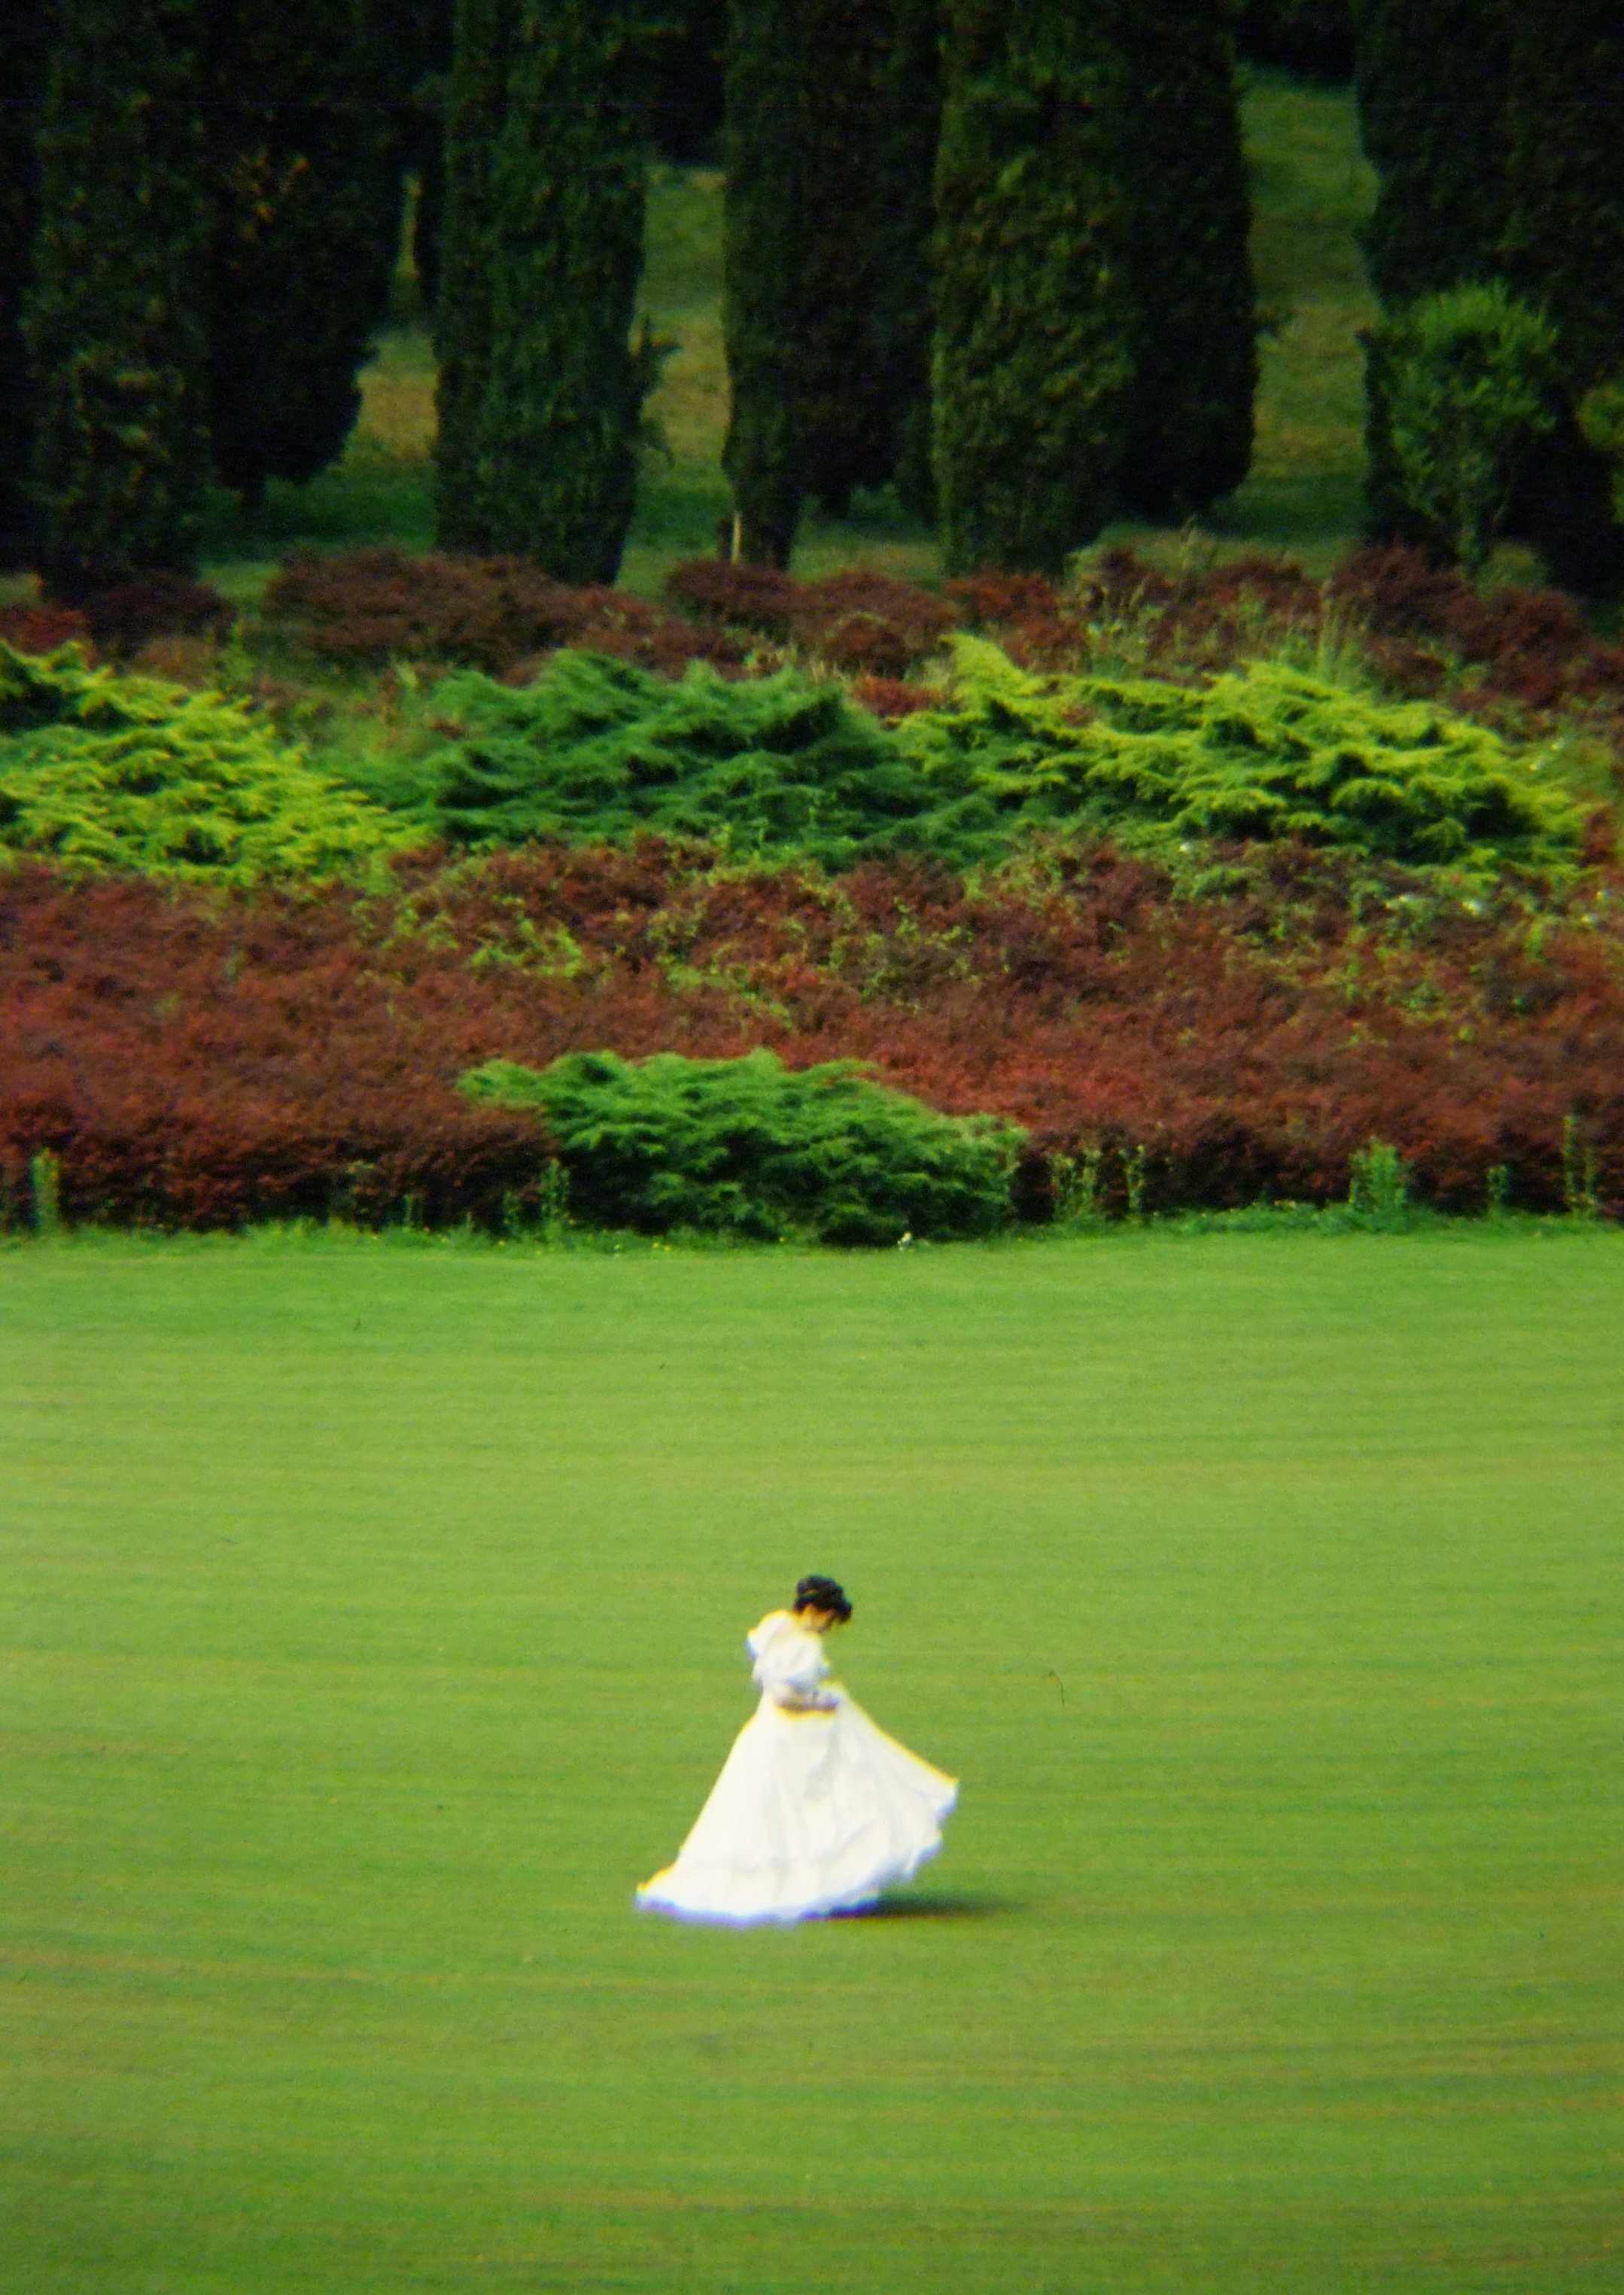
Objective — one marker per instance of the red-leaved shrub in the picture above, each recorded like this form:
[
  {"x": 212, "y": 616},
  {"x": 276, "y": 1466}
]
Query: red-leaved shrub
[
  {"x": 132, "y": 614},
  {"x": 495, "y": 614},
  {"x": 202, "y": 1060},
  {"x": 41, "y": 629}
]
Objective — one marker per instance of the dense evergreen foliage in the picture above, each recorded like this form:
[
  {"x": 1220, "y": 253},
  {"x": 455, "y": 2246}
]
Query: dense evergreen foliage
[
  {"x": 743, "y": 1146},
  {"x": 601, "y": 750},
  {"x": 763, "y": 250},
  {"x": 306, "y": 154},
  {"x": 98, "y": 771},
  {"x": 464, "y": 304},
  {"x": 1432, "y": 80},
  {"x": 1565, "y": 241},
  {"x": 116, "y": 323},
  {"x": 542, "y": 389},
  {"x": 1564, "y": 251},
  {"x": 1190, "y": 429},
  {"x": 831, "y": 147},
  {"x": 1469, "y": 383},
  {"x": 1494, "y": 131},
  {"x": 1036, "y": 321},
  {"x": 871, "y": 110},
  {"x": 22, "y": 76},
  {"x": 1304, "y": 36}
]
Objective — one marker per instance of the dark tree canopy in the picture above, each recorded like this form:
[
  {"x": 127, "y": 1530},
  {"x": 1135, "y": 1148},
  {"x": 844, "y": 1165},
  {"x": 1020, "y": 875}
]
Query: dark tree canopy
[
  {"x": 116, "y": 321},
  {"x": 1190, "y": 425},
  {"x": 872, "y": 116},
  {"x": 540, "y": 388},
  {"x": 306, "y": 154},
  {"x": 1432, "y": 82},
  {"x": 1036, "y": 321},
  {"x": 764, "y": 252},
  {"x": 22, "y": 77}
]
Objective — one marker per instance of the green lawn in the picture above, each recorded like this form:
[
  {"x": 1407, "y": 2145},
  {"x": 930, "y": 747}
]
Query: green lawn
[{"x": 373, "y": 1624}]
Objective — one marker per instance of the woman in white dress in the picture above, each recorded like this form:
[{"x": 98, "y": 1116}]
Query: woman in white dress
[{"x": 816, "y": 1809}]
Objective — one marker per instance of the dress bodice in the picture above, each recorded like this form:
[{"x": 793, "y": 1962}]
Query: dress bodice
[{"x": 788, "y": 1664}]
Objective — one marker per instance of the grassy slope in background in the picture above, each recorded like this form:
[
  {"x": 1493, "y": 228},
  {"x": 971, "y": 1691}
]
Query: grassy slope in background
[{"x": 374, "y": 1625}]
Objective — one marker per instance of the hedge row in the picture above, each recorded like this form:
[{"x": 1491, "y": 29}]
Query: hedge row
[{"x": 204, "y": 1058}]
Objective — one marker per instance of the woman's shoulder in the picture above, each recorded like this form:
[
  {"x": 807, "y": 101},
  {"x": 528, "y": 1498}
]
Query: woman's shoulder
[{"x": 775, "y": 1623}]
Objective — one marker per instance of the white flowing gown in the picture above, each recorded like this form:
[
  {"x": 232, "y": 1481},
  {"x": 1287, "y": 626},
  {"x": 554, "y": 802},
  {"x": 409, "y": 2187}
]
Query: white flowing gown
[{"x": 816, "y": 1809}]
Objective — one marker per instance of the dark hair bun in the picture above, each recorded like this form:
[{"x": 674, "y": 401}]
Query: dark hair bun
[{"x": 823, "y": 1594}]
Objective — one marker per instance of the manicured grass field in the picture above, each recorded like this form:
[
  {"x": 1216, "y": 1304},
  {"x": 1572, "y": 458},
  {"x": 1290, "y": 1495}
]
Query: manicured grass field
[{"x": 373, "y": 1624}]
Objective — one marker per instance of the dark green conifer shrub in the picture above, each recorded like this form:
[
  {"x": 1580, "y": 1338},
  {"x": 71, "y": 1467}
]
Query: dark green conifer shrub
[
  {"x": 1563, "y": 251},
  {"x": 597, "y": 749},
  {"x": 1432, "y": 82},
  {"x": 305, "y": 155},
  {"x": 744, "y": 1147},
  {"x": 1189, "y": 428},
  {"x": 23, "y": 53},
  {"x": 542, "y": 388},
  {"x": 870, "y": 104},
  {"x": 764, "y": 231},
  {"x": 464, "y": 306},
  {"x": 116, "y": 323},
  {"x": 1036, "y": 321},
  {"x": 1467, "y": 381}
]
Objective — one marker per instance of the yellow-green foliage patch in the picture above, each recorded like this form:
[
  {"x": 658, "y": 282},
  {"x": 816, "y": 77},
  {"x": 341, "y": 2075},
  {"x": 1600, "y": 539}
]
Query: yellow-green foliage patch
[
  {"x": 1266, "y": 752},
  {"x": 99, "y": 770}
]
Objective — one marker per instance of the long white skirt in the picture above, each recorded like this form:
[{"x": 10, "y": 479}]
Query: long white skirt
[{"x": 813, "y": 1812}]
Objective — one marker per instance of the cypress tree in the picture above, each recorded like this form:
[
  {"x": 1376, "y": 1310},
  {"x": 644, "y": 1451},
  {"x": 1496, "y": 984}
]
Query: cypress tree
[
  {"x": 764, "y": 251},
  {"x": 1190, "y": 424},
  {"x": 1035, "y": 324},
  {"x": 905, "y": 222},
  {"x": 832, "y": 113},
  {"x": 1563, "y": 252},
  {"x": 305, "y": 151},
  {"x": 1563, "y": 244},
  {"x": 1433, "y": 79},
  {"x": 542, "y": 390},
  {"x": 115, "y": 322},
  {"x": 870, "y": 108},
  {"x": 485, "y": 34},
  {"x": 22, "y": 73}
]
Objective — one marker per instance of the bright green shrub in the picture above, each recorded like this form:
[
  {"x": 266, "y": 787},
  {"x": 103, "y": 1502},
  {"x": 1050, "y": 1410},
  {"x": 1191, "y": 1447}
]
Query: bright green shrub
[
  {"x": 1467, "y": 381},
  {"x": 600, "y": 749},
  {"x": 1266, "y": 752},
  {"x": 744, "y": 1147},
  {"x": 101, "y": 772}
]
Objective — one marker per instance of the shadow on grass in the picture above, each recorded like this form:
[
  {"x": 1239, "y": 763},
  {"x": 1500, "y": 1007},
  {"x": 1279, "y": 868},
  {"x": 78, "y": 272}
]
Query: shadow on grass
[{"x": 933, "y": 1905}]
